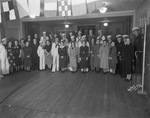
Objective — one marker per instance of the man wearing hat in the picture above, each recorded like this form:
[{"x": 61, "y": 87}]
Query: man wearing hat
[
  {"x": 119, "y": 44},
  {"x": 100, "y": 36},
  {"x": 41, "y": 54},
  {"x": 44, "y": 38},
  {"x": 139, "y": 40}
]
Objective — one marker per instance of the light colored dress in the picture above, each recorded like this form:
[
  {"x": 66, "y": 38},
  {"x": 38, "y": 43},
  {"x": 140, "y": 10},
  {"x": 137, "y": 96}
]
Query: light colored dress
[
  {"x": 73, "y": 52},
  {"x": 104, "y": 56}
]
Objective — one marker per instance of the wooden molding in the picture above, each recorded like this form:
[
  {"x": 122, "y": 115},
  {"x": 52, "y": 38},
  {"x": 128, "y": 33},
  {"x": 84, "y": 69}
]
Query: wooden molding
[{"x": 95, "y": 15}]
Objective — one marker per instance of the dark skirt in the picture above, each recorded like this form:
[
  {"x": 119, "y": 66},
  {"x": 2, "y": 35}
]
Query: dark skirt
[
  {"x": 63, "y": 61},
  {"x": 83, "y": 63},
  {"x": 27, "y": 62}
]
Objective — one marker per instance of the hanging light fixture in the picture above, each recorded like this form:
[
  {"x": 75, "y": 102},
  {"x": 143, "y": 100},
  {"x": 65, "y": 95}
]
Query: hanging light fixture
[
  {"x": 66, "y": 25},
  {"x": 105, "y": 24},
  {"x": 103, "y": 9}
]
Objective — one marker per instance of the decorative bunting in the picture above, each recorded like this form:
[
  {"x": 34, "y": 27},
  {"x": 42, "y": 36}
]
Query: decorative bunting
[
  {"x": 50, "y": 8},
  {"x": 9, "y": 12},
  {"x": 91, "y": 5},
  {"x": 78, "y": 7},
  {"x": 34, "y": 7},
  {"x": 23, "y": 8},
  {"x": 0, "y": 14},
  {"x": 64, "y": 7}
]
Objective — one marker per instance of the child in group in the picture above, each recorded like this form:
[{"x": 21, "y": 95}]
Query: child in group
[
  {"x": 27, "y": 56},
  {"x": 48, "y": 56},
  {"x": 62, "y": 51},
  {"x": 41, "y": 54},
  {"x": 96, "y": 55},
  {"x": 72, "y": 51},
  {"x": 113, "y": 58},
  {"x": 55, "y": 55}
]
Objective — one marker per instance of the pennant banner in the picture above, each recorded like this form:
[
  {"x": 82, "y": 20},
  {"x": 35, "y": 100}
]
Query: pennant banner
[
  {"x": 78, "y": 7},
  {"x": 91, "y": 5},
  {"x": 23, "y": 8},
  {"x": 34, "y": 7},
  {"x": 50, "y": 8},
  {"x": 9, "y": 12},
  {"x": 64, "y": 7}
]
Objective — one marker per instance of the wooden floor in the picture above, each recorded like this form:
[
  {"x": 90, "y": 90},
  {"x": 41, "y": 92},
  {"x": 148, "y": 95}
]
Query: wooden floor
[{"x": 65, "y": 95}]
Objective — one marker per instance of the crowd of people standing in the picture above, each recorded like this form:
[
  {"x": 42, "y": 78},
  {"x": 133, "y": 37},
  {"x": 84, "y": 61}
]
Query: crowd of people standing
[{"x": 78, "y": 52}]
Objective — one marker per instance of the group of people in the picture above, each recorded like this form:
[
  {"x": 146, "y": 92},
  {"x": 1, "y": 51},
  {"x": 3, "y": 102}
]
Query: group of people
[{"x": 78, "y": 52}]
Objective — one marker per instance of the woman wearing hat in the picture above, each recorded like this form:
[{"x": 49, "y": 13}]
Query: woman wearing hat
[{"x": 62, "y": 51}]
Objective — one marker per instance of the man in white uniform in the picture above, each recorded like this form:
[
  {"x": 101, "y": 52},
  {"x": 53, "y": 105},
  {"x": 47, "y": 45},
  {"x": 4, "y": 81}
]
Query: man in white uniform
[
  {"x": 41, "y": 54},
  {"x": 55, "y": 55},
  {"x": 3, "y": 59}
]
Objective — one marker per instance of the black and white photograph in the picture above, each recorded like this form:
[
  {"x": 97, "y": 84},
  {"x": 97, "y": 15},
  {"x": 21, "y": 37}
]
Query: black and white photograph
[{"x": 74, "y": 58}]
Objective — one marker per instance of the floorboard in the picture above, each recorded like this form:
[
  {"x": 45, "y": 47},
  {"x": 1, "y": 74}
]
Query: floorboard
[{"x": 42, "y": 94}]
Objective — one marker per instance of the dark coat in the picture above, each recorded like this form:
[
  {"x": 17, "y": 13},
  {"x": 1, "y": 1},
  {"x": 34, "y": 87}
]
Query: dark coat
[
  {"x": 128, "y": 57},
  {"x": 84, "y": 53},
  {"x": 27, "y": 56},
  {"x": 62, "y": 57}
]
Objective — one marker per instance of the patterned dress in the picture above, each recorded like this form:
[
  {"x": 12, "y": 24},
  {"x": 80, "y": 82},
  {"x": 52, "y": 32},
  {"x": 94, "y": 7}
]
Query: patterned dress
[
  {"x": 11, "y": 57},
  {"x": 16, "y": 50}
]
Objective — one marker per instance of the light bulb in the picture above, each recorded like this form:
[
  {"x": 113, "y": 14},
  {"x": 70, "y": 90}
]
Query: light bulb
[
  {"x": 105, "y": 24},
  {"x": 66, "y": 26}
]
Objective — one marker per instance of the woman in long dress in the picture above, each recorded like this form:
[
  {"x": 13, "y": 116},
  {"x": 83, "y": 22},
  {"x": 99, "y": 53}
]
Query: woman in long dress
[
  {"x": 35, "y": 58},
  {"x": 48, "y": 56},
  {"x": 17, "y": 54},
  {"x": 92, "y": 45},
  {"x": 22, "y": 44},
  {"x": 129, "y": 58},
  {"x": 62, "y": 51},
  {"x": 96, "y": 55},
  {"x": 104, "y": 56},
  {"x": 113, "y": 58},
  {"x": 11, "y": 57},
  {"x": 84, "y": 54},
  {"x": 27, "y": 57},
  {"x": 73, "y": 52}
]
